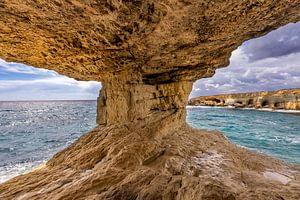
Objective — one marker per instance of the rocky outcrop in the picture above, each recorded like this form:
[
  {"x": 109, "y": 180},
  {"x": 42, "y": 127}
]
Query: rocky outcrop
[
  {"x": 147, "y": 54},
  {"x": 288, "y": 99},
  {"x": 139, "y": 44},
  {"x": 124, "y": 98},
  {"x": 155, "y": 158}
]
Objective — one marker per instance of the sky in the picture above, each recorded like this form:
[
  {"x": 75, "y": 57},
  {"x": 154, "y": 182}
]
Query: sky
[
  {"x": 267, "y": 63},
  {"x": 20, "y": 82}
]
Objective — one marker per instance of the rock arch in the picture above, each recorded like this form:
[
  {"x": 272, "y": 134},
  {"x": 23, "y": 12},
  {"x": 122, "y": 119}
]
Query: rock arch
[
  {"x": 142, "y": 45},
  {"x": 147, "y": 54}
]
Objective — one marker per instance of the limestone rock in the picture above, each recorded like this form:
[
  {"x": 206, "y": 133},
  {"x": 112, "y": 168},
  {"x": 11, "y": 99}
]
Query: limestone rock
[
  {"x": 145, "y": 46},
  {"x": 163, "y": 40},
  {"x": 147, "y": 55},
  {"x": 288, "y": 99},
  {"x": 155, "y": 159}
]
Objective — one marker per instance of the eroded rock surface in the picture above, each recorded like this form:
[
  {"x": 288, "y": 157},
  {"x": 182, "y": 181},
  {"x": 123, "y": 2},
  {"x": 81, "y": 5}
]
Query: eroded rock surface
[
  {"x": 144, "y": 47},
  {"x": 288, "y": 99},
  {"x": 147, "y": 55},
  {"x": 156, "y": 159},
  {"x": 165, "y": 41}
]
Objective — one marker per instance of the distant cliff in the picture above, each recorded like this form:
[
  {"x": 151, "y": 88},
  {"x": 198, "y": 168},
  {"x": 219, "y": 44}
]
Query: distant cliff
[
  {"x": 288, "y": 99},
  {"x": 147, "y": 55}
]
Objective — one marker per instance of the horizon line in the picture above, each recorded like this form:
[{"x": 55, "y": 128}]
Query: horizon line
[{"x": 48, "y": 100}]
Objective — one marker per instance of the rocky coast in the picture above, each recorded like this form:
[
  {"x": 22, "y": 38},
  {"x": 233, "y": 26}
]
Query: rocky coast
[
  {"x": 147, "y": 54},
  {"x": 288, "y": 99}
]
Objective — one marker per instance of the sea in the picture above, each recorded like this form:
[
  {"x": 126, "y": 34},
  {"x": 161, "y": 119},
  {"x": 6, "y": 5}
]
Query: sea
[{"x": 32, "y": 132}]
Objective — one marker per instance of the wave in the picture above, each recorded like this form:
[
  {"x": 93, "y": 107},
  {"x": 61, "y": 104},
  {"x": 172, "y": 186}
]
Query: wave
[
  {"x": 295, "y": 140},
  {"x": 287, "y": 111},
  {"x": 279, "y": 110},
  {"x": 9, "y": 171},
  {"x": 198, "y": 106},
  {"x": 189, "y": 106}
]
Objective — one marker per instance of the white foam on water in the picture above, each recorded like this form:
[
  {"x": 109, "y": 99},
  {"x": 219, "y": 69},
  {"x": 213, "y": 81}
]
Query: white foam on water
[
  {"x": 287, "y": 111},
  {"x": 265, "y": 109},
  {"x": 280, "y": 110},
  {"x": 259, "y": 109},
  {"x": 10, "y": 171},
  {"x": 295, "y": 140},
  {"x": 272, "y": 110},
  {"x": 248, "y": 108},
  {"x": 189, "y": 106}
]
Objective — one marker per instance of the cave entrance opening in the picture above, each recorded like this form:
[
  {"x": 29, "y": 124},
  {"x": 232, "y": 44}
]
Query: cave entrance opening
[{"x": 267, "y": 63}]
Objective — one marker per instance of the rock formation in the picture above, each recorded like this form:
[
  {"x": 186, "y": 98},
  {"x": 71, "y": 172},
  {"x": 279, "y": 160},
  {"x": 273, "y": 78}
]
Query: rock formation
[
  {"x": 288, "y": 99},
  {"x": 147, "y": 54}
]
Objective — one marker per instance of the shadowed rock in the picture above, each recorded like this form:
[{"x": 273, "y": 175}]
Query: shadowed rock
[{"x": 147, "y": 54}]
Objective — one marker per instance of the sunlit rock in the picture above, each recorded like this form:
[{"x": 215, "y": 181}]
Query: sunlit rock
[
  {"x": 147, "y": 54},
  {"x": 282, "y": 99}
]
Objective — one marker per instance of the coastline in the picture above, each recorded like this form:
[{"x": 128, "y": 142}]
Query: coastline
[
  {"x": 296, "y": 112},
  {"x": 287, "y": 99},
  {"x": 212, "y": 163},
  {"x": 204, "y": 129}
]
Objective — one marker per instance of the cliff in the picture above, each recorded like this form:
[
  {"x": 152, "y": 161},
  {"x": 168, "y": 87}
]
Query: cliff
[
  {"x": 288, "y": 99},
  {"x": 147, "y": 54}
]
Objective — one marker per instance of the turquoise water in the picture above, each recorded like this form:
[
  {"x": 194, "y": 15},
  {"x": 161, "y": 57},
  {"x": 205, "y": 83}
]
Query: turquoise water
[
  {"x": 32, "y": 132},
  {"x": 273, "y": 133}
]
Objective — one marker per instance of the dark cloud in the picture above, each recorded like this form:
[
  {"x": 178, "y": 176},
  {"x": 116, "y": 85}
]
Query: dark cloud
[
  {"x": 242, "y": 75},
  {"x": 268, "y": 63},
  {"x": 282, "y": 42}
]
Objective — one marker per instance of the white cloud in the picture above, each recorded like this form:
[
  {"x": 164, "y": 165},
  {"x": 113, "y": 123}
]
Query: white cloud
[
  {"x": 60, "y": 81},
  {"x": 244, "y": 76},
  {"x": 24, "y": 69},
  {"x": 21, "y": 82}
]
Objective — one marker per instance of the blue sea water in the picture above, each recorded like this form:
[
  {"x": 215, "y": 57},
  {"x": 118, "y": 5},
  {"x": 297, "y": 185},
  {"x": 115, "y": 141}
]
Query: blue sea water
[
  {"x": 32, "y": 132},
  {"x": 272, "y": 133}
]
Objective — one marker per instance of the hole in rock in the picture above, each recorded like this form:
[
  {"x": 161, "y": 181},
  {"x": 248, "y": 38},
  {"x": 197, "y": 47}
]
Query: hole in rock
[
  {"x": 268, "y": 63},
  {"x": 217, "y": 100},
  {"x": 265, "y": 103},
  {"x": 41, "y": 113},
  {"x": 277, "y": 104},
  {"x": 250, "y": 102}
]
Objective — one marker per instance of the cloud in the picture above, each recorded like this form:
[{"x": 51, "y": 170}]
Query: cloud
[
  {"x": 21, "y": 82},
  {"x": 11, "y": 67},
  {"x": 282, "y": 42},
  {"x": 268, "y": 63}
]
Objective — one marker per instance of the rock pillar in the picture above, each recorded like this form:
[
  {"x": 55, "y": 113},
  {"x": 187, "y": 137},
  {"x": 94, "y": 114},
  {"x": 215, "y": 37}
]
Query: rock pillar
[{"x": 128, "y": 97}]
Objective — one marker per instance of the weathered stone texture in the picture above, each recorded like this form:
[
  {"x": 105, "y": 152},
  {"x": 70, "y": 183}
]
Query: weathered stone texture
[
  {"x": 154, "y": 159},
  {"x": 165, "y": 40},
  {"x": 152, "y": 43},
  {"x": 127, "y": 98},
  {"x": 288, "y": 99},
  {"x": 146, "y": 54}
]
